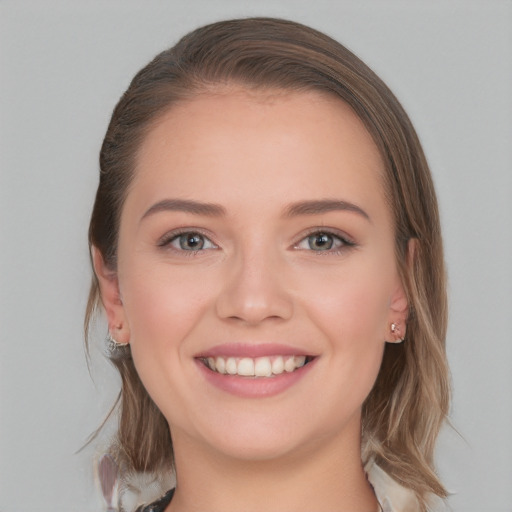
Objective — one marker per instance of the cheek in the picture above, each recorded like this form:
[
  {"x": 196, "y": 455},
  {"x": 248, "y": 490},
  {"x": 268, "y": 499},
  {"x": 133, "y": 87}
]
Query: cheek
[
  {"x": 162, "y": 306},
  {"x": 351, "y": 304},
  {"x": 353, "y": 325},
  {"x": 162, "y": 309},
  {"x": 351, "y": 312}
]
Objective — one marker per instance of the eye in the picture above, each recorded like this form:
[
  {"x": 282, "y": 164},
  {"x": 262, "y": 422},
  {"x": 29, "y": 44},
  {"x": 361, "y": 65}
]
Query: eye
[
  {"x": 188, "y": 241},
  {"x": 321, "y": 241}
]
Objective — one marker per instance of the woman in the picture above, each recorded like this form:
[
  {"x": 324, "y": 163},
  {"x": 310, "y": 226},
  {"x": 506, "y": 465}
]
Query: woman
[{"x": 267, "y": 250}]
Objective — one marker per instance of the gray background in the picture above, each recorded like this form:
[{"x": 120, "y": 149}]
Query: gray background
[{"x": 63, "y": 67}]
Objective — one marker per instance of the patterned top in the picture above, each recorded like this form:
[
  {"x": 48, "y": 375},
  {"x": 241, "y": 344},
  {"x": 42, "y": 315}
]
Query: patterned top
[{"x": 159, "y": 505}]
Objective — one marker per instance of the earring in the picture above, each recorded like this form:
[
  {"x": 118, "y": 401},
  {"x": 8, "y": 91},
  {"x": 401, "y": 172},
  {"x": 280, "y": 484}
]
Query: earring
[
  {"x": 116, "y": 350},
  {"x": 395, "y": 330}
]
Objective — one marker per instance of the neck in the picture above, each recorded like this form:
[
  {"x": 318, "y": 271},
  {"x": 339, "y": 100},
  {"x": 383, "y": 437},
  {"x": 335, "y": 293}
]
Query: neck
[{"x": 324, "y": 476}]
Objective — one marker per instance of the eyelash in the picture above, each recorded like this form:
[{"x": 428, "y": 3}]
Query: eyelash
[
  {"x": 342, "y": 241},
  {"x": 167, "y": 240}
]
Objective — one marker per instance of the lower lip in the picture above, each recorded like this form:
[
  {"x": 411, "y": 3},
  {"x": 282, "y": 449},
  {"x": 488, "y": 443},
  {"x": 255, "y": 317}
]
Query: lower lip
[{"x": 254, "y": 387}]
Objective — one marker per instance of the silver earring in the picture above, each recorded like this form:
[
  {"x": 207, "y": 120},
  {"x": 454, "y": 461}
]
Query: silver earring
[
  {"x": 395, "y": 329},
  {"x": 116, "y": 350}
]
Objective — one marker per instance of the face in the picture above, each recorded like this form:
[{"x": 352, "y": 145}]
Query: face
[{"x": 256, "y": 272}]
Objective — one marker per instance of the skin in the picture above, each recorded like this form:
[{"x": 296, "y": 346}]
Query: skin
[{"x": 259, "y": 279}]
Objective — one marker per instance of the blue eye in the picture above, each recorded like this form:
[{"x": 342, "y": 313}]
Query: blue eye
[
  {"x": 189, "y": 241},
  {"x": 322, "y": 241}
]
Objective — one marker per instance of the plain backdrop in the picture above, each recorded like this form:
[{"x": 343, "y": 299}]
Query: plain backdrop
[{"x": 64, "y": 65}]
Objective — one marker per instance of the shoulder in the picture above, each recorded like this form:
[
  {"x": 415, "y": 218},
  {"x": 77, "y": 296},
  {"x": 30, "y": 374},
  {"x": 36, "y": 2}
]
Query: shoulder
[{"x": 393, "y": 497}]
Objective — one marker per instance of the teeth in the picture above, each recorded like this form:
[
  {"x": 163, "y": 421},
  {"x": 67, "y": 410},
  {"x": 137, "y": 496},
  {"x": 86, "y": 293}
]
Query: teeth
[
  {"x": 231, "y": 366},
  {"x": 246, "y": 367},
  {"x": 278, "y": 365},
  {"x": 262, "y": 367},
  {"x": 220, "y": 365},
  {"x": 300, "y": 361},
  {"x": 257, "y": 367},
  {"x": 289, "y": 364}
]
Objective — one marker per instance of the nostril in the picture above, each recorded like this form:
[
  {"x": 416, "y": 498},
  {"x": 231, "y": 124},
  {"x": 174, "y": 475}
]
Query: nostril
[{"x": 252, "y": 299}]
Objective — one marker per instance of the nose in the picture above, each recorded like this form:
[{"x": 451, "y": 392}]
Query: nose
[{"x": 255, "y": 289}]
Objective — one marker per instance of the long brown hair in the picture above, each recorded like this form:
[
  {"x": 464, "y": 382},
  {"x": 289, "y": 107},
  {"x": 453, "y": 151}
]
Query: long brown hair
[{"x": 405, "y": 410}]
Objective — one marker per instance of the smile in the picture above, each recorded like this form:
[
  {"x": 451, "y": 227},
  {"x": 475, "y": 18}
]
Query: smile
[
  {"x": 269, "y": 366},
  {"x": 255, "y": 370}
]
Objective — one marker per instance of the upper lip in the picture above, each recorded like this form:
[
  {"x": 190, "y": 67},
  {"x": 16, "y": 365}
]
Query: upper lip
[{"x": 253, "y": 350}]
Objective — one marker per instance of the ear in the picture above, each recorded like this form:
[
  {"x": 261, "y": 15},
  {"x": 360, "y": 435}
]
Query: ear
[
  {"x": 399, "y": 304},
  {"x": 111, "y": 298}
]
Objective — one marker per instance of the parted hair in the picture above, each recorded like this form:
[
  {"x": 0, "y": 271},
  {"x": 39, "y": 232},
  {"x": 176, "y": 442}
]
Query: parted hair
[{"x": 405, "y": 410}]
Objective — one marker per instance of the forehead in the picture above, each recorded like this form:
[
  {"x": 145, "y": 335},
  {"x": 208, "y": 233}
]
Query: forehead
[{"x": 264, "y": 143}]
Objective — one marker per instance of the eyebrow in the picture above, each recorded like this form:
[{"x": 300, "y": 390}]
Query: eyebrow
[
  {"x": 314, "y": 207},
  {"x": 317, "y": 207},
  {"x": 185, "y": 205}
]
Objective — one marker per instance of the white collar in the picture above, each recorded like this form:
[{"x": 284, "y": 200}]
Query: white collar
[{"x": 392, "y": 496}]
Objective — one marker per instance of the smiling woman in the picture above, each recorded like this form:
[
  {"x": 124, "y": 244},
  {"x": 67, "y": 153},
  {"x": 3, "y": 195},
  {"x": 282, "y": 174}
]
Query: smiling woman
[{"x": 265, "y": 235}]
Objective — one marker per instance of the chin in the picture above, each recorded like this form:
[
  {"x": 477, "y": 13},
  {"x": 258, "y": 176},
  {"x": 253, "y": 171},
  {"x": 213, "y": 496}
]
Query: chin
[
  {"x": 262, "y": 438},
  {"x": 258, "y": 449}
]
